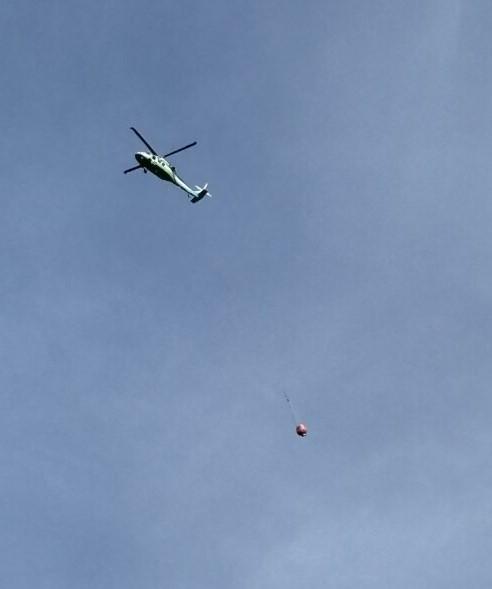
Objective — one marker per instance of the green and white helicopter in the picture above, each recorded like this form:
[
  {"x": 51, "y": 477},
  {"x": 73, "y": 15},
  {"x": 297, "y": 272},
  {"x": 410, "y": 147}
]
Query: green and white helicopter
[{"x": 159, "y": 166}]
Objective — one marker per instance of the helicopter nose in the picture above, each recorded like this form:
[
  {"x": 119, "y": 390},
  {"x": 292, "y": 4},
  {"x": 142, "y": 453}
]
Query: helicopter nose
[{"x": 140, "y": 157}]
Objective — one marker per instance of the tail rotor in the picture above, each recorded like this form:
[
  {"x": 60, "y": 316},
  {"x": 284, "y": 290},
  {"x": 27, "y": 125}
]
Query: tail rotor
[{"x": 201, "y": 191}]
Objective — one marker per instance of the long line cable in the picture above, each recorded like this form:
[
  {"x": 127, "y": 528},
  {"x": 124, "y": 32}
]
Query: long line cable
[{"x": 294, "y": 419}]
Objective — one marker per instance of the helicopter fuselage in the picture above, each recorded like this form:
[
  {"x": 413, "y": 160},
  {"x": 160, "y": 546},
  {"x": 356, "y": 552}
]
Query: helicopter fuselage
[
  {"x": 157, "y": 165},
  {"x": 161, "y": 168}
]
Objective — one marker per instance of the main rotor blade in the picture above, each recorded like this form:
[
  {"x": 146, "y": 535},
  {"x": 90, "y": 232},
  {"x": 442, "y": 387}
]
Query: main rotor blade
[
  {"x": 132, "y": 169},
  {"x": 180, "y": 149},
  {"x": 151, "y": 149}
]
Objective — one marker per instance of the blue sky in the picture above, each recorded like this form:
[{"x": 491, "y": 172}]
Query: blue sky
[{"x": 344, "y": 258}]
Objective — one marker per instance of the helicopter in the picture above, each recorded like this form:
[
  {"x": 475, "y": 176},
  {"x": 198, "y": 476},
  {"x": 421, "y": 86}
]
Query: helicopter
[{"x": 159, "y": 166}]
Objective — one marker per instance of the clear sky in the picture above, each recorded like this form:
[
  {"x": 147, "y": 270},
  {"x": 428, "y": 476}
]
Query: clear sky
[{"x": 345, "y": 258}]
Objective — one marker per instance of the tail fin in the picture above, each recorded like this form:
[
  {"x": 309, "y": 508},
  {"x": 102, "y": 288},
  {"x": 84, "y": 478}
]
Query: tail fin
[{"x": 200, "y": 193}]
